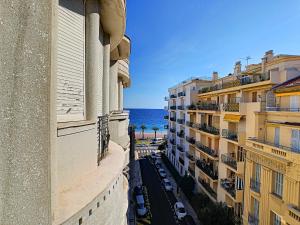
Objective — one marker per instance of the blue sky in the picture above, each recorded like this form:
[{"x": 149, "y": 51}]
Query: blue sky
[{"x": 173, "y": 40}]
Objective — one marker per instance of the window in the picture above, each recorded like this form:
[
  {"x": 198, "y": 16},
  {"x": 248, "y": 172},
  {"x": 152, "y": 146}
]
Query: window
[
  {"x": 254, "y": 96},
  {"x": 295, "y": 140},
  {"x": 277, "y": 136},
  {"x": 294, "y": 103},
  {"x": 278, "y": 184},
  {"x": 276, "y": 219},
  {"x": 257, "y": 169},
  {"x": 239, "y": 183}
]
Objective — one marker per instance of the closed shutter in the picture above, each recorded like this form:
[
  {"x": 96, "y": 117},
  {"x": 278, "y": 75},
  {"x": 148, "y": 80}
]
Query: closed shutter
[{"x": 70, "y": 60}]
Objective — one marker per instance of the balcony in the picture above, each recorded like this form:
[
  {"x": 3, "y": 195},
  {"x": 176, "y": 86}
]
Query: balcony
[
  {"x": 173, "y": 96},
  {"x": 172, "y": 130},
  {"x": 172, "y": 141},
  {"x": 180, "y": 121},
  {"x": 207, "y": 169},
  {"x": 181, "y": 160},
  {"x": 191, "y": 140},
  {"x": 231, "y": 135},
  {"x": 190, "y": 156},
  {"x": 208, "y": 129},
  {"x": 181, "y": 94},
  {"x": 173, "y": 152},
  {"x": 191, "y": 171},
  {"x": 255, "y": 185},
  {"x": 180, "y": 134},
  {"x": 231, "y": 107},
  {"x": 103, "y": 137},
  {"x": 189, "y": 124},
  {"x": 180, "y": 148},
  {"x": 211, "y": 106},
  {"x": 206, "y": 149},
  {"x": 173, "y": 119},
  {"x": 123, "y": 71},
  {"x": 207, "y": 187},
  {"x": 191, "y": 107},
  {"x": 281, "y": 109},
  {"x": 228, "y": 160},
  {"x": 228, "y": 186},
  {"x": 180, "y": 107},
  {"x": 166, "y": 117},
  {"x": 173, "y": 107},
  {"x": 252, "y": 219}
]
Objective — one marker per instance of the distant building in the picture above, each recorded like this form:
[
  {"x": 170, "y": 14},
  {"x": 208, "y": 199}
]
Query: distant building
[
  {"x": 219, "y": 144},
  {"x": 64, "y": 134}
]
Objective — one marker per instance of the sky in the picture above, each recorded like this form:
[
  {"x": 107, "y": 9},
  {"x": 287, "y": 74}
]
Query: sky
[{"x": 173, "y": 40}]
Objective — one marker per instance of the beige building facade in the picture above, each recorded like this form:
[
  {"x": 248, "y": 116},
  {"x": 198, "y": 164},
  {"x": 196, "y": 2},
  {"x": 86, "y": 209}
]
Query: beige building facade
[{"x": 64, "y": 133}]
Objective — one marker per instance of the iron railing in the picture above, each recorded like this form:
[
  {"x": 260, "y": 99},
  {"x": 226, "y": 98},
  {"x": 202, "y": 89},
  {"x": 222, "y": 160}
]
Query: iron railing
[
  {"x": 180, "y": 134},
  {"x": 180, "y": 121},
  {"x": 180, "y": 107},
  {"x": 189, "y": 123},
  {"x": 173, "y": 107},
  {"x": 191, "y": 107},
  {"x": 231, "y": 135},
  {"x": 191, "y": 140},
  {"x": 230, "y": 161},
  {"x": 229, "y": 186},
  {"x": 181, "y": 160},
  {"x": 208, "y": 106},
  {"x": 173, "y": 96},
  {"x": 206, "y": 149},
  {"x": 180, "y": 94},
  {"x": 281, "y": 109},
  {"x": 191, "y": 171},
  {"x": 231, "y": 107},
  {"x": 172, "y": 130},
  {"x": 209, "y": 129},
  {"x": 180, "y": 148},
  {"x": 172, "y": 141},
  {"x": 255, "y": 185},
  {"x": 103, "y": 137},
  {"x": 207, "y": 169},
  {"x": 207, "y": 187},
  {"x": 190, "y": 156}
]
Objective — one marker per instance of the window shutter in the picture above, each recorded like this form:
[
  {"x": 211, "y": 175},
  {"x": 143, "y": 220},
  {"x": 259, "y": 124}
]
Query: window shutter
[
  {"x": 70, "y": 60},
  {"x": 295, "y": 140}
]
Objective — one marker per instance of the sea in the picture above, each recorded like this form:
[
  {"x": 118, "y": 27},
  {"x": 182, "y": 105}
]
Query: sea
[{"x": 148, "y": 117}]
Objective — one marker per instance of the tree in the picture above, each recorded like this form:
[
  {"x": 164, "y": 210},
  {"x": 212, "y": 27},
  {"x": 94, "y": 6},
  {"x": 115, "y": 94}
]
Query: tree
[
  {"x": 143, "y": 127},
  {"x": 133, "y": 126},
  {"x": 155, "y": 130}
]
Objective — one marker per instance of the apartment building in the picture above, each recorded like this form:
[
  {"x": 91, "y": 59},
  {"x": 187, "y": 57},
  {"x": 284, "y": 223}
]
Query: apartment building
[
  {"x": 221, "y": 121},
  {"x": 64, "y": 133}
]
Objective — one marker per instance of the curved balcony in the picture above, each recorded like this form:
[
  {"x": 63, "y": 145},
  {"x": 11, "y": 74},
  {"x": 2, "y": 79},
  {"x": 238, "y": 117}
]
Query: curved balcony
[
  {"x": 123, "y": 71},
  {"x": 113, "y": 21}
]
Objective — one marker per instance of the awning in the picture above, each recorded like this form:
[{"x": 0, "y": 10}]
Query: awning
[{"x": 232, "y": 118}]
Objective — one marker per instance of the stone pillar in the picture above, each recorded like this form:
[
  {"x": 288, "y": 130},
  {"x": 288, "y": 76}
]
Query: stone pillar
[
  {"x": 120, "y": 95},
  {"x": 113, "y": 85},
  {"x": 92, "y": 59},
  {"x": 27, "y": 112},
  {"x": 106, "y": 67}
]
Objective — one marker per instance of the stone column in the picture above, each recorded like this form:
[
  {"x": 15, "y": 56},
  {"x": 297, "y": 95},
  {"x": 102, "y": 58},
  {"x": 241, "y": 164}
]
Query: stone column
[
  {"x": 27, "y": 112},
  {"x": 92, "y": 59},
  {"x": 113, "y": 85},
  {"x": 120, "y": 95},
  {"x": 106, "y": 67}
]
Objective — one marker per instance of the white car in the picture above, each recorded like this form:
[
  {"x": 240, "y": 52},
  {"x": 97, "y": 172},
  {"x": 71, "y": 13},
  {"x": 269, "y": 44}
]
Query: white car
[
  {"x": 179, "y": 210},
  {"x": 167, "y": 184},
  {"x": 162, "y": 173}
]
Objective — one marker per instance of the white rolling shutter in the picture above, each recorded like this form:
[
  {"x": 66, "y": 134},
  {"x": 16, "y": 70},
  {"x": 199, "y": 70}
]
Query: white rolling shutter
[{"x": 71, "y": 61}]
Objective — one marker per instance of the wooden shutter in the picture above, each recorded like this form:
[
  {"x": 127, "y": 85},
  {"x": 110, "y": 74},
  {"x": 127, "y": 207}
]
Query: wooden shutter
[{"x": 70, "y": 60}]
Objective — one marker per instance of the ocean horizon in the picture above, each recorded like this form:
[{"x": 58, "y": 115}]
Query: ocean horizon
[{"x": 149, "y": 117}]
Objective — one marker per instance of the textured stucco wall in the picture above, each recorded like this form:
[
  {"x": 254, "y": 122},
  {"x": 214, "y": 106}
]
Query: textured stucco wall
[{"x": 25, "y": 62}]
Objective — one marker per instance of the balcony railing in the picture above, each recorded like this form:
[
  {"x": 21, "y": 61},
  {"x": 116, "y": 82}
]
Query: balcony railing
[
  {"x": 180, "y": 148},
  {"x": 206, "y": 149},
  {"x": 208, "y": 106},
  {"x": 231, "y": 135},
  {"x": 191, "y": 140},
  {"x": 191, "y": 171},
  {"x": 228, "y": 160},
  {"x": 207, "y": 169},
  {"x": 190, "y": 156},
  {"x": 280, "y": 109},
  {"x": 172, "y": 141},
  {"x": 181, "y": 160},
  {"x": 180, "y": 107},
  {"x": 191, "y": 107},
  {"x": 103, "y": 137},
  {"x": 180, "y": 94},
  {"x": 173, "y": 152},
  {"x": 209, "y": 129},
  {"x": 238, "y": 82},
  {"x": 173, "y": 96},
  {"x": 173, "y": 119},
  {"x": 262, "y": 141},
  {"x": 231, "y": 107},
  {"x": 229, "y": 186},
  {"x": 255, "y": 185},
  {"x": 166, "y": 117},
  {"x": 252, "y": 219},
  {"x": 173, "y": 107},
  {"x": 180, "y": 121},
  {"x": 189, "y": 123},
  {"x": 180, "y": 134},
  {"x": 172, "y": 130},
  {"x": 207, "y": 187}
]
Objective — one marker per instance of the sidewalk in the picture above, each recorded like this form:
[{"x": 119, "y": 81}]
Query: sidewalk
[{"x": 181, "y": 196}]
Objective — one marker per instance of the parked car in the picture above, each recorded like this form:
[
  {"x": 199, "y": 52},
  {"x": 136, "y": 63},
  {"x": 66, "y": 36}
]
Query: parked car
[
  {"x": 167, "y": 184},
  {"x": 162, "y": 173},
  {"x": 140, "y": 202},
  {"x": 179, "y": 210}
]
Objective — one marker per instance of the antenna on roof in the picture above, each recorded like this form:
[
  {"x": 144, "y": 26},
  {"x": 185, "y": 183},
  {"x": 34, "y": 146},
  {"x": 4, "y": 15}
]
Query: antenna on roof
[{"x": 247, "y": 59}]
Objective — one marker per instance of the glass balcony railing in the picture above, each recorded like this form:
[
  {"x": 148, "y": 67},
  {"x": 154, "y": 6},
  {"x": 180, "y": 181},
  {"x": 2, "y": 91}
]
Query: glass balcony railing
[
  {"x": 208, "y": 106},
  {"x": 207, "y": 187},
  {"x": 209, "y": 129},
  {"x": 206, "y": 149},
  {"x": 229, "y": 186},
  {"x": 253, "y": 219},
  {"x": 231, "y": 135},
  {"x": 255, "y": 185},
  {"x": 191, "y": 140},
  {"x": 207, "y": 169},
  {"x": 228, "y": 160}
]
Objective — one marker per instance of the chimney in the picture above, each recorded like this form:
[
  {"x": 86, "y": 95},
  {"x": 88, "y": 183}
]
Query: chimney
[
  {"x": 215, "y": 76},
  {"x": 237, "y": 68}
]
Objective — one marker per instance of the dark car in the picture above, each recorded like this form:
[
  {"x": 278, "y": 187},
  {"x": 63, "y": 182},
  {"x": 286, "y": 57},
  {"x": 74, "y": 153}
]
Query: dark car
[{"x": 188, "y": 220}]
